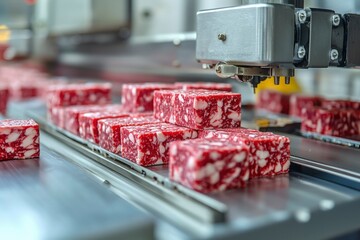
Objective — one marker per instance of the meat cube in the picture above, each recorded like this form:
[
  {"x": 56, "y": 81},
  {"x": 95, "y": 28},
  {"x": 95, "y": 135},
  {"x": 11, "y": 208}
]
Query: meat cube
[
  {"x": 139, "y": 97},
  {"x": 269, "y": 153},
  {"x": 340, "y": 104},
  {"x": 333, "y": 122},
  {"x": 19, "y": 139},
  {"x": 198, "y": 109},
  {"x": 205, "y": 86},
  {"x": 56, "y": 116},
  {"x": 72, "y": 113},
  {"x": 207, "y": 165},
  {"x": 79, "y": 94},
  {"x": 273, "y": 101},
  {"x": 4, "y": 97},
  {"x": 298, "y": 102},
  {"x": 109, "y": 130},
  {"x": 149, "y": 144},
  {"x": 88, "y": 123}
]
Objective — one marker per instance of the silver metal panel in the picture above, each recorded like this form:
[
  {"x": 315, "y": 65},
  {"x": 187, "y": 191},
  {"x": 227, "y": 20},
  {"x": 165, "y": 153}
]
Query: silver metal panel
[
  {"x": 256, "y": 35},
  {"x": 320, "y": 38},
  {"x": 50, "y": 198}
]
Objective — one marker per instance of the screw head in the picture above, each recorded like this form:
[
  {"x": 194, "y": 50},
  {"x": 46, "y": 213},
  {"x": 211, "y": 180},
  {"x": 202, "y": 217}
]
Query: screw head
[
  {"x": 335, "y": 20},
  {"x": 302, "y": 16},
  {"x": 222, "y": 36},
  {"x": 334, "y": 54},
  {"x": 301, "y": 52}
]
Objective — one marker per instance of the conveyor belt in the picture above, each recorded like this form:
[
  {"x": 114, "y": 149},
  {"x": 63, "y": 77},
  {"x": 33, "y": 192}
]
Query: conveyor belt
[{"x": 294, "y": 201}]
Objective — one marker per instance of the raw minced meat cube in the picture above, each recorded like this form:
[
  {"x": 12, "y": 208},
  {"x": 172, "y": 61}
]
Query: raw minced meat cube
[
  {"x": 139, "y": 97},
  {"x": 340, "y": 104},
  {"x": 269, "y": 153},
  {"x": 72, "y": 113},
  {"x": 149, "y": 144},
  {"x": 333, "y": 122},
  {"x": 109, "y": 130},
  {"x": 205, "y": 86},
  {"x": 273, "y": 101},
  {"x": 19, "y": 139},
  {"x": 56, "y": 116},
  {"x": 209, "y": 165},
  {"x": 298, "y": 102},
  {"x": 88, "y": 123},
  {"x": 198, "y": 109},
  {"x": 79, "y": 94},
  {"x": 4, "y": 97}
]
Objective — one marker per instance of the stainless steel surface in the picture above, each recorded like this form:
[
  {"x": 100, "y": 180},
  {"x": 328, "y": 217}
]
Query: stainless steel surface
[
  {"x": 320, "y": 30},
  {"x": 249, "y": 41},
  {"x": 289, "y": 202},
  {"x": 329, "y": 161},
  {"x": 50, "y": 198},
  {"x": 255, "y": 39}
]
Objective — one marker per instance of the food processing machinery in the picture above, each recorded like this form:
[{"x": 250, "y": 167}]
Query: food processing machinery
[{"x": 83, "y": 191}]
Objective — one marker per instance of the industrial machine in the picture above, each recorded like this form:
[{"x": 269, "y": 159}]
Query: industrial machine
[{"x": 78, "y": 190}]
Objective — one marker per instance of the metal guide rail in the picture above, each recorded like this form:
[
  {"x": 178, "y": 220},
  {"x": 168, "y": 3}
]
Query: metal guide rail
[
  {"x": 280, "y": 200},
  {"x": 331, "y": 139}
]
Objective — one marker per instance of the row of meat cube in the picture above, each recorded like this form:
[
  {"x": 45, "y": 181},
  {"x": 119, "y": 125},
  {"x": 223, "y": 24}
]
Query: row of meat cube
[
  {"x": 216, "y": 161},
  {"x": 339, "y": 118}
]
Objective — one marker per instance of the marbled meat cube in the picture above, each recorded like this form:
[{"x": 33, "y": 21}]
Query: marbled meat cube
[
  {"x": 139, "y": 97},
  {"x": 79, "y": 94},
  {"x": 334, "y": 122},
  {"x": 205, "y": 86},
  {"x": 198, "y": 109},
  {"x": 109, "y": 130},
  {"x": 269, "y": 153},
  {"x": 72, "y": 113},
  {"x": 19, "y": 139},
  {"x": 88, "y": 123},
  {"x": 209, "y": 165},
  {"x": 273, "y": 101},
  {"x": 4, "y": 97},
  {"x": 340, "y": 104},
  {"x": 56, "y": 116},
  {"x": 149, "y": 144},
  {"x": 299, "y": 102}
]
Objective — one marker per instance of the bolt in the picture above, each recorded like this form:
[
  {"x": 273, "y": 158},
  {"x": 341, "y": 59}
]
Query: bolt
[
  {"x": 302, "y": 16},
  {"x": 334, "y": 54},
  {"x": 222, "y": 37},
  {"x": 301, "y": 52},
  {"x": 277, "y": 80},
  {"x": 287, "y": 80},
  {"x": 335, "y": 20},
  {"x": 218, "y": 69}
]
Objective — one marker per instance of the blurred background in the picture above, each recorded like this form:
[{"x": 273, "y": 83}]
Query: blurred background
[{"x": 138, "y": 40}]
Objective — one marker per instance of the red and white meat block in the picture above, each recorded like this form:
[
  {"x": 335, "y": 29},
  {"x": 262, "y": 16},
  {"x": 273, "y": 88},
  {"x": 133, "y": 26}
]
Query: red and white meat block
[
  {"x": 340, "y": 104},
  {"x": 269, "y": 153},
  {"x": 198, "y": 109},
  {"x": 19, "y": 139},
  {"x": 4, "y": 97},
  {"x": 299, "y": 102},
  {"x": 79, "y": 94},
  {"x": 139, "y": 97},
  {"x": 88, "y": 123},
  {"x": 56, "y": 116},
  {"x": 205, "y": 86},
  {"x": 208, "y": 165},
  {"x": 334, "y": 122},
  {"x": 273, "y": 101},
  {"x": 149, "y": 144},
  {"x": 72, "y": 113},
  {"x": 109, "y": 130}
]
